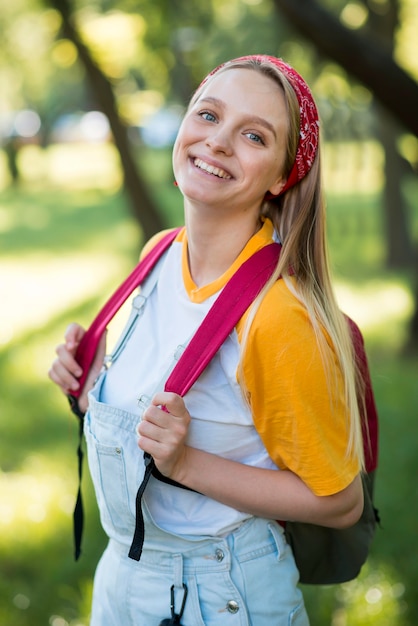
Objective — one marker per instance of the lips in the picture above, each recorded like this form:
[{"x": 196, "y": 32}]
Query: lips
[{"x": 211, "y": 169}]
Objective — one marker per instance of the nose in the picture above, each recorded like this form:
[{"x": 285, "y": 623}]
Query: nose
[{"x": 220, "y": 140}]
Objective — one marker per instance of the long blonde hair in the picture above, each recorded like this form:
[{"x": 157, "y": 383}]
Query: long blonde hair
[{"x": 298, "y": 217}]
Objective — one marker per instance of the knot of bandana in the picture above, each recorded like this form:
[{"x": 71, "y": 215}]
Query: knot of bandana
[{"x": 309, "y": 119}]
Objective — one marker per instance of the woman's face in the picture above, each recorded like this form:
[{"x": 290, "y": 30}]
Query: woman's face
[{"x": 231, "y": 145}]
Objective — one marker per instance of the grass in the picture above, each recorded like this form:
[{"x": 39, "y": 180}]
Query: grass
[{"x": 63, "y": 248}]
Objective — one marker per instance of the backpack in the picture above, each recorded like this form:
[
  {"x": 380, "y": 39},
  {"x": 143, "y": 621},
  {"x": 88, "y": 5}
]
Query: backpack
[{"x": 323, "y": 555}]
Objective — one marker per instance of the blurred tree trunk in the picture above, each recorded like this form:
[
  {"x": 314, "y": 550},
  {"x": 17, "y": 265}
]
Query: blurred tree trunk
[
  {"x": 11, "y": 149},
  {"x": 181, "y": 78},
  {"x": 142, "y": 205},
  {"x": 411, "y": 346},
  {"x": 372, "y": 64},
  {"x": 360, "y": 56},
  {"x": 399, "y": 251},
  {"x": 400, "y": 254}
]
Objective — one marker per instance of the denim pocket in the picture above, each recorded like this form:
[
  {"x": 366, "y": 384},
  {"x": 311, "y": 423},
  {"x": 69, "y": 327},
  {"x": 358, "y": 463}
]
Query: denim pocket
[
  {"x": 113, "y": 484},
  {"x": 279, "y": 538},
  {"x": 115, "y": 490}
]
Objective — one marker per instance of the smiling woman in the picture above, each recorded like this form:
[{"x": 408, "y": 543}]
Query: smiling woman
[
  {"x": 235, "y": 131},
  {"x": 271, "y": 428}
]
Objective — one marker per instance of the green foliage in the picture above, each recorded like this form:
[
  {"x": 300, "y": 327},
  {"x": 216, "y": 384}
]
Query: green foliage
[
  {"x": 385, "y": 592},
  {"x": 41, "y": 229},
  {"x": 157, "y": 52},
  {"x": 62, "y": 250}
]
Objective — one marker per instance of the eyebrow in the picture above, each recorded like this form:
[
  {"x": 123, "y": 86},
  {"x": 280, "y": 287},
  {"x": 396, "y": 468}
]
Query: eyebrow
[{"x": 253, "y": 118}]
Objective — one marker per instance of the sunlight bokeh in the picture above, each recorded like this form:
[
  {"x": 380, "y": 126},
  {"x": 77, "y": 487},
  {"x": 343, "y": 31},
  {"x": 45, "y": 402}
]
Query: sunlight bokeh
[
  {"x": 377, "y": 305},
  {"x": 43, "y": 281},
  {"x": 73, "y": 165},
  {"x": 35, "y": 501},
  {"x": 376, "y": 598},
  {"x": 41, "y": 286}
]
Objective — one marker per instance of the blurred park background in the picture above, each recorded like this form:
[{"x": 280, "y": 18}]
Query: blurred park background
[{"x": 91, "y": 92}]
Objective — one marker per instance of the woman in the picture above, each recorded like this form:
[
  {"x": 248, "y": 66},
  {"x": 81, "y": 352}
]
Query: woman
[{"x": 271, "y": 429}]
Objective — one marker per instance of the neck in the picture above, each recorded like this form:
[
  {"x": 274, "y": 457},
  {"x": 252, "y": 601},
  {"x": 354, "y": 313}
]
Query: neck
[{"x": 214, "y": 243}]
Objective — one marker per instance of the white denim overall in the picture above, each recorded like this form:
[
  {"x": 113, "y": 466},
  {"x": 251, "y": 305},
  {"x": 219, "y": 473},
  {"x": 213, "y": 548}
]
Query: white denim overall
[{"x": 246, "y": 578}]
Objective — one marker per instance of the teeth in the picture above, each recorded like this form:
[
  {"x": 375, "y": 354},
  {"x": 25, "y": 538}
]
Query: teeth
[{"x": 216, "y": 171}]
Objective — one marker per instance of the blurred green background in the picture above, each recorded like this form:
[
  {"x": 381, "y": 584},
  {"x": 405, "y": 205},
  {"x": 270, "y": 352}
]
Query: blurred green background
[{"x": 90, "y": 88}]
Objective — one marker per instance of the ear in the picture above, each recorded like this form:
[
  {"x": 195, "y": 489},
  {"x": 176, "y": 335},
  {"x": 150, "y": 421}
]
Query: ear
[{"x": 276, "y": 187}]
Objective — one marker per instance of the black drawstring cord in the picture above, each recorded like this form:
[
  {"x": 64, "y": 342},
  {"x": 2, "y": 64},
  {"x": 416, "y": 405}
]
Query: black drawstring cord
[
  {"x": 139, "y": 535},
  {"x": 78, "y": 515},
  {"x": 138, "y": 540}
]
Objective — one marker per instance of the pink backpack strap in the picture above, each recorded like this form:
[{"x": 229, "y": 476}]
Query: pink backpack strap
[
  {"x": 90, "y": 340},
  {"x": 231, "y": 304},
  {"x": 87, "y": 350},
  {"x": 368, "y": 411}
]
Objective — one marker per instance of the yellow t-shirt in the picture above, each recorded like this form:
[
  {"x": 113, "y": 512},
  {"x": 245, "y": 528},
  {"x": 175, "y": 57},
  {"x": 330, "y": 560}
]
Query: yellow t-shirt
[{"x": 298, "y": 411}]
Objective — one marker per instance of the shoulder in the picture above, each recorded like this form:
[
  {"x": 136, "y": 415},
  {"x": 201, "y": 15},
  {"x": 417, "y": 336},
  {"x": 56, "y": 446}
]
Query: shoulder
[
  {"x": 151, "y": 243},
  {"x": 280, "y": 312},
  {"x": 283, "y": 316},
  {"x": 281, "y": 302}
]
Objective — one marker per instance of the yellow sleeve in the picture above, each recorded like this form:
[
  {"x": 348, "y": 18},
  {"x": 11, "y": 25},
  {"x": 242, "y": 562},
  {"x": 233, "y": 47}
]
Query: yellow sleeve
[{"x": 298, "y": 406}]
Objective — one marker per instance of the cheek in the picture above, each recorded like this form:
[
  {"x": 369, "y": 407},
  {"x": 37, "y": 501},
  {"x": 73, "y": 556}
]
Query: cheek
[
  {"x": 179, "y": 152},
  {"x": 265, "y": 171},
  {"x": 274, "y": 168},
  {"x": 174, "y": 157},
  {"x": 180, "y": 144}
]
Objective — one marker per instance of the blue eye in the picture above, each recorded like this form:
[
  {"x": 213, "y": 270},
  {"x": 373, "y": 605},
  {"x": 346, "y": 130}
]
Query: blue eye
[
  {"x": 209, "y": 117},
  {"x": 256, "y": 138}
]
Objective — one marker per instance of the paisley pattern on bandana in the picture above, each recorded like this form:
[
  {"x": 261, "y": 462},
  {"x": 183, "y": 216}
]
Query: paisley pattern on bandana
[{"x": 309, "y": 119}]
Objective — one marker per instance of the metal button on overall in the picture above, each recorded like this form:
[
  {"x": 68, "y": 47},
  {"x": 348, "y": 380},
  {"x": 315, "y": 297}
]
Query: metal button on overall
[
  {"x": 219, "y": 555},
  {"x": 232, "y": 606}
]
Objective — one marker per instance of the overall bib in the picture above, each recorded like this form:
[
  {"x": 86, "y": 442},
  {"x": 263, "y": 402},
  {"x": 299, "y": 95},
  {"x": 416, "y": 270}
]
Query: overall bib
[{"x": 247, "y": 578}]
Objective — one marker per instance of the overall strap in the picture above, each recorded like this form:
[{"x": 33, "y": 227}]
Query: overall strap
[{"x": 138, "y": 303}]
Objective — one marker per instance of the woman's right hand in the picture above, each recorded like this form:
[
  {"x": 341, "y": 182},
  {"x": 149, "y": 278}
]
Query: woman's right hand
[{"x": 65, "y": 371}]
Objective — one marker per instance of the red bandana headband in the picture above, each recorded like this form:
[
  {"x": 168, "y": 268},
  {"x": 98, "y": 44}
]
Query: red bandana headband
[{"x": 309, "y": 119}]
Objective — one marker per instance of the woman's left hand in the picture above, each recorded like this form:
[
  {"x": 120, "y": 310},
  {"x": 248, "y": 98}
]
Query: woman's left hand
[{"x": 163, "y": 431}]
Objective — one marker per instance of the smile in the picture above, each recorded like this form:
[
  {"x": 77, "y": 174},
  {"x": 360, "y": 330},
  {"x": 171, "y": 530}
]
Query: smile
[{"x": 210, "y": 169}]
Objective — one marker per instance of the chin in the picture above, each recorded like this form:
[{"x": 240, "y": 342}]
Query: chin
[{"x": 198, "y": 193}]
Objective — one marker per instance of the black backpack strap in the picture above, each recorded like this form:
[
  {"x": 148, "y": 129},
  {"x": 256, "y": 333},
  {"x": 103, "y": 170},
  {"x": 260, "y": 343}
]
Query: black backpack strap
[
  {"x": 139, "y": 535},
  {"x": 78, "y": 515},
  {"x": 138, "y": 540}
]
